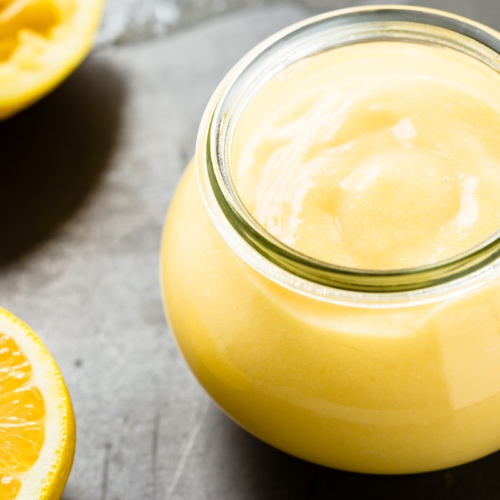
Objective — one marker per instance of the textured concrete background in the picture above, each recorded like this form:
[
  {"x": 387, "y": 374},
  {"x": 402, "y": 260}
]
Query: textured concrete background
[
  {"x": 132, "y": 20},
  {"x": 87, "y": 176}
]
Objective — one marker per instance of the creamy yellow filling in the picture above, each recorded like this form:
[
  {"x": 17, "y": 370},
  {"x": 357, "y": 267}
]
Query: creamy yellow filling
[{"x": 381, "y": 155}]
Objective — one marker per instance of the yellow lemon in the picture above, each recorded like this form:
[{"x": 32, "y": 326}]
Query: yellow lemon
[
  {"x": 37, "y": 425},
  {"x": 41, "y": 42}
]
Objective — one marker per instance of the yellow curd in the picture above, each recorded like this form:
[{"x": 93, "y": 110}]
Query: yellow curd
[
  {"x": 374, "y": 156},
  {"x": 329, "y": 263}
]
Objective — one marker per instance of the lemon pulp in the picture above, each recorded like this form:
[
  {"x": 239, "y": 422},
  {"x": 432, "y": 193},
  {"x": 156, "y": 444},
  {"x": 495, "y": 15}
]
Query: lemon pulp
[
  {"x": 21, "y": 419},
  {"x": 41, "y": 42}
]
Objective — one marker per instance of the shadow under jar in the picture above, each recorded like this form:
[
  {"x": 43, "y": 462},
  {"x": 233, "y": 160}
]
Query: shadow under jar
[{"x": 330, "y": 261}]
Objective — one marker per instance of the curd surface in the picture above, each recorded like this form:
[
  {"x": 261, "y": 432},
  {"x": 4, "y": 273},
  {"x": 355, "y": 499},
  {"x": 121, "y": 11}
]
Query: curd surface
[{"x": 374, "y": 156}]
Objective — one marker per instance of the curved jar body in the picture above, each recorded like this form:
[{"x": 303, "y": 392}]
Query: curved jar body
[{"x": 376, "y": 371}]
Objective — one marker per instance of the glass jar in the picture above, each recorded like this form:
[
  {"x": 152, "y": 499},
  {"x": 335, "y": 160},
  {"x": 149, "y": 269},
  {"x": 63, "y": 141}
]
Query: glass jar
[{"x": 378, "y": 371}]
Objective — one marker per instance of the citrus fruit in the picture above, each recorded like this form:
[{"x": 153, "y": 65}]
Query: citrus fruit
[
  {"x": 37, "y": 426},
  {"x": 41, "y": 42}
]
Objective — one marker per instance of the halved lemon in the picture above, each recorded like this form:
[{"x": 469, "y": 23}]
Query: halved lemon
[
  {"x": 37, "y": 425},
  {"x": 41, "y": 43}
]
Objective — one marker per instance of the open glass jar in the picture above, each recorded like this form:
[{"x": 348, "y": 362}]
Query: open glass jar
[{"x": 369, "y": 368}]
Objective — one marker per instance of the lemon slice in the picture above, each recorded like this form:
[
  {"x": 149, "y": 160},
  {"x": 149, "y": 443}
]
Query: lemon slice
[
  {"x": 41, "y": 42},
  {"x": 37, "y": 426}
]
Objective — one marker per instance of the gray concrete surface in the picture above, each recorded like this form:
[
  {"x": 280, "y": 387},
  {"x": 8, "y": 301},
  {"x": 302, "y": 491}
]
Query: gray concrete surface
[
  {"x": 133, "y": 20},
  {"x": 87, "y": 176}
]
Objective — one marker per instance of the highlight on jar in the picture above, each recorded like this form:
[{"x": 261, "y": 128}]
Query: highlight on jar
[{"x": 330, "y": 264}]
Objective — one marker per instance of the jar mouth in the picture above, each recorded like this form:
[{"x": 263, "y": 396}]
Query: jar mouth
[{"x": 315, "y": 35}]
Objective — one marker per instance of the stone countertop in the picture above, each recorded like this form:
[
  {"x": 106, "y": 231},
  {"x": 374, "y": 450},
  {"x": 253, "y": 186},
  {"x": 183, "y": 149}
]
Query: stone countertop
[
  {"x": 132, "y": 20},
  {"x": 87, "y": 176}
]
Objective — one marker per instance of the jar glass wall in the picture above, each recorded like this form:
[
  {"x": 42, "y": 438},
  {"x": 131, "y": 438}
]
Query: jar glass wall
[{"x": 385, "y": 371}]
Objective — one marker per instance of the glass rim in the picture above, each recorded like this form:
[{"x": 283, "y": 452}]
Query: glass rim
[{"x": 313, "y": 35}]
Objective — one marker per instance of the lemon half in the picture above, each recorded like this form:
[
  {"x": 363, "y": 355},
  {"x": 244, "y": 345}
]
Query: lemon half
[
  {"x": 41, "y": 43},
  {"x": 37, "y": 425}
]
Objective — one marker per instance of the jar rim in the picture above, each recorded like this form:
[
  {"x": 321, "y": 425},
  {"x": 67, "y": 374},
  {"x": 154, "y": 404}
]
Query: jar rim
[{"x": 314, "y": 35}]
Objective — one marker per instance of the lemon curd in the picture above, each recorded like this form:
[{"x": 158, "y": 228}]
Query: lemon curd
[
  {"x": 329, "y": 263},
  {"x": 374, "y": 156}
]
